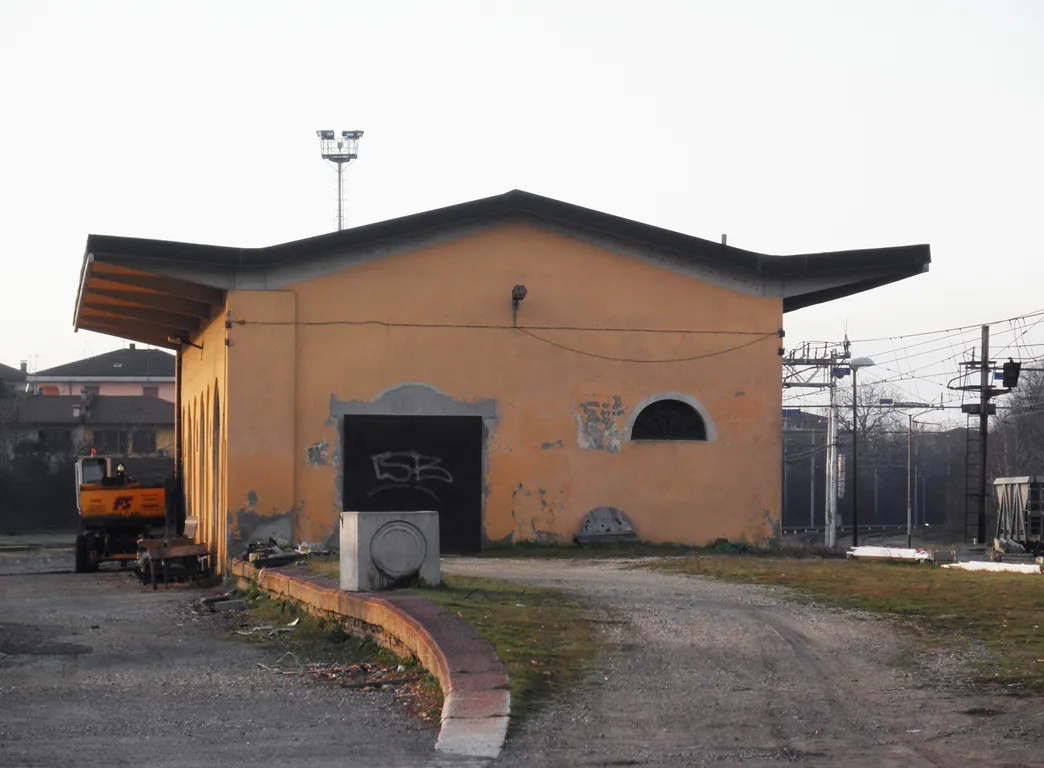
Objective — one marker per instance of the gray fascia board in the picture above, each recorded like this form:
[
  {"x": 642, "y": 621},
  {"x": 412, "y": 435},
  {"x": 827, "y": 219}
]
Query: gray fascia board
[{"x": 33, "y": 379}]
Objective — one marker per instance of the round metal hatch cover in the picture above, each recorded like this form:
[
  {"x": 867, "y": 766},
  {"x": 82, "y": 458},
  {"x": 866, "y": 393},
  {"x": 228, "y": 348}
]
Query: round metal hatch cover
[{"x": 398, "y": 549}]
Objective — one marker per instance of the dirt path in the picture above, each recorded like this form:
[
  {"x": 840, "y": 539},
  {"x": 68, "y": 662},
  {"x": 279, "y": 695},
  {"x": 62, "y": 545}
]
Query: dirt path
[{"x": 703, "y": 673}]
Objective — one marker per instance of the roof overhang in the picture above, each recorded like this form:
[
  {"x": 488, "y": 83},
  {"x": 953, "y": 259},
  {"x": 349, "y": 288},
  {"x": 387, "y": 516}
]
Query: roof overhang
[
  {"x": 140, "y": 305},
  {"x": 151, "y": 290}
]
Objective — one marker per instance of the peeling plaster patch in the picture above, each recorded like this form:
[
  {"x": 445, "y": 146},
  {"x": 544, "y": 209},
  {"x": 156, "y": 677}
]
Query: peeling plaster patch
[
  {"x": 318, "y": 454},
  {"x": 251, "y": 526},
  {"x": 741, "y": 394},
  {"x": 546, "y": 537},
  {"x": 506, "y": 541},
  {"x": 552, "y": 446},
  {"x": 598, "y": 429},
  {"x": 252, "y": 500},
  {"x": 545, "y": 516},
  {"x": 775, "y": 536}
]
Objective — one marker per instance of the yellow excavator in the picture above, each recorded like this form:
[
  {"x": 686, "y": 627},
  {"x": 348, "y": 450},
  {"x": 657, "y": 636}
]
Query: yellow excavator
[
  {"x": 116, "y": 512},
  {"x": 126, "y": 520}
]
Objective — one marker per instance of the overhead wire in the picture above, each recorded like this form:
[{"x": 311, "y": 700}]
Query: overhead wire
[
  {"x": 1035, "y": 313},
  {"x": 1026, "y": 330}
]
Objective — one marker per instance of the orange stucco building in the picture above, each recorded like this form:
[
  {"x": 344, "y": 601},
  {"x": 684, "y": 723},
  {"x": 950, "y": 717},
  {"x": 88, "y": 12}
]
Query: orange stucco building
[{"x": 388, "y": 366}]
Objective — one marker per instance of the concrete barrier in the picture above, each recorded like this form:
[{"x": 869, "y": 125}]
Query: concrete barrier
[{"x": 476, "y": 697}]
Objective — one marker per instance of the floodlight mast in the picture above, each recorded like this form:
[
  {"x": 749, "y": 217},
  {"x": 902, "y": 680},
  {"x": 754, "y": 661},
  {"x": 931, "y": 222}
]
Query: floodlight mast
[{"x": 340, "y": 151}]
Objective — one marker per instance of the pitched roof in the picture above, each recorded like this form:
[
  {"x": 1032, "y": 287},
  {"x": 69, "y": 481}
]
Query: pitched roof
[
  {"x": 102, "y": 410},
  {"x": 158, "y": 292},
  {"x": 7, "y": 373},
  {"x": 129, "y": 363}
]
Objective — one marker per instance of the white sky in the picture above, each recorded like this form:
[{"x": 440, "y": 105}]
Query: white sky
[{"x": 791, "y": 126}]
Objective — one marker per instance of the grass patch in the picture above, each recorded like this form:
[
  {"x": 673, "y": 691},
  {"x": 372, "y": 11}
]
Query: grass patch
[
  {"x": 326, "y": 565},
  {"x": 531, "y": 549},
  {"x": 1003, "y": 613},
  {"x": 543, "y": 638}
]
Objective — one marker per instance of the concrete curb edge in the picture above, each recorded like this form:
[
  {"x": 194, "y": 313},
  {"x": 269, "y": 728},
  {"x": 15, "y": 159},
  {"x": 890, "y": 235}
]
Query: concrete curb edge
[{"x": 477, "y": 699}]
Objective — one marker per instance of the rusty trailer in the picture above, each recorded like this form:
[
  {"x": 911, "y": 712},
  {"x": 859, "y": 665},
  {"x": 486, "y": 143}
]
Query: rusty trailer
[{"x": 172, "y": 560}]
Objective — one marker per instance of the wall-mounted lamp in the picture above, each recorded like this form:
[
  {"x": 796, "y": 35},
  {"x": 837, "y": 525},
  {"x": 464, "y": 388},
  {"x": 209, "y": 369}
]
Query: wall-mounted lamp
[
  {"x": 517, "y": 294},
  {"x": 183, "y": 342}
]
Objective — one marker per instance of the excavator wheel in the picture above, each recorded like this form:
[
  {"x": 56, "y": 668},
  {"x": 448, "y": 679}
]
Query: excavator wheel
[
  {"x": 82, "y": 556},
  {"x": 92, "y": 552}
]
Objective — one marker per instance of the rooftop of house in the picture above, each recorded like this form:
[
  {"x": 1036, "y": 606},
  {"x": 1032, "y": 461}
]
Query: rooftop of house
[
  {"x": 96, "y": 410},
  {"x": 161, "y": 292},
  {"x": 9, "y": 374},
  {"x": 130, "y": 363}
]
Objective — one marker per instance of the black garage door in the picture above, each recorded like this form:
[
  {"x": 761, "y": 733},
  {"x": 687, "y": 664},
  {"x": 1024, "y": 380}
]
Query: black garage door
[{"x": 411, "y": 463}]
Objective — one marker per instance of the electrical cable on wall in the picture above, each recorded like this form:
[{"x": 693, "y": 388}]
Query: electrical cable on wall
[
  {"x": 759, "y": 335},
  {"x": 630, "y": 360},
  {"x": 494, "y": 327}
]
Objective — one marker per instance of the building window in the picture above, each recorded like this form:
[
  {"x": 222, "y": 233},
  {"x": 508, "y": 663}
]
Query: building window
[
  {"x": 150, "y": 391},
  {"x": 144, "y": 441},
  {"x": 90, "y": 391},
  {"x": 669, "y": 420},
  {"x": 110, "y": 441},
  {"x": 56, "y": 440}
]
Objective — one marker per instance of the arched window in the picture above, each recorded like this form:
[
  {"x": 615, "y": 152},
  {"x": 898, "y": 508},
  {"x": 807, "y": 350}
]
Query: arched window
[{"x": 669, "y": 420}]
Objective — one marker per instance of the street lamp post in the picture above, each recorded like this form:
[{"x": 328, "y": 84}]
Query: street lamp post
[
  {"x": 910, "y": 490},
  {"x": 855, "y": 365},
  {"x": 910, "y": 475}
]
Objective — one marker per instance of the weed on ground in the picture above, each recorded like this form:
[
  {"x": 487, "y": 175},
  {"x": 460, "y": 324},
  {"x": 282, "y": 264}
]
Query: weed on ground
[
  {"x": 998, "y": 612},
  {"x": 543, "y": 638},
  {"x": 318, "y": 649}
]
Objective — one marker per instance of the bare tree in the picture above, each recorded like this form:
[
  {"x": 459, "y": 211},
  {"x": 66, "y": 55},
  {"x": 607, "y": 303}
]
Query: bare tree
[
  {"x": 873, "y": 419},
  {"x": 1017, "y": 440}
]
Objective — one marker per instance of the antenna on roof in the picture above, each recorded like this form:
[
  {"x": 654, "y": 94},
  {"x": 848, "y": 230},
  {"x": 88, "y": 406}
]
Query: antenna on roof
[{"x": 341, "y": 151}]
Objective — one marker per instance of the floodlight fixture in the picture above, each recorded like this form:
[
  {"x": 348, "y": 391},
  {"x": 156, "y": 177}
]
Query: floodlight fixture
[{"x": 339, "y": 151}]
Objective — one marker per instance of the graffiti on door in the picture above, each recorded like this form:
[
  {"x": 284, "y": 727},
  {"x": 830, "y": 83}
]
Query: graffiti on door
[{"x": 407, "y": 469}]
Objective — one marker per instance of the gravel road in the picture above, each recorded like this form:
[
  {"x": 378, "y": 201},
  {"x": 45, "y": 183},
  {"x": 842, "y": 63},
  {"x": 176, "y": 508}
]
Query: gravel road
[
  {"x": 696, "y": 672},
  {"x": 96, "y": 670}
]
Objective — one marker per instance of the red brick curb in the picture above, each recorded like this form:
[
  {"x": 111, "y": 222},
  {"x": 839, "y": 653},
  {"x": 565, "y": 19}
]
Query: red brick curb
[{"x": 474, "y": 683}]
